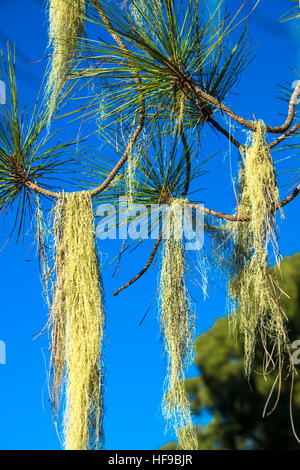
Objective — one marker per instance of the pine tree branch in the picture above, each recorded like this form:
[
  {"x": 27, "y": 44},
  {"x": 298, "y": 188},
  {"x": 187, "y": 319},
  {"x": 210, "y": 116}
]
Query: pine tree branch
[
  {"x": 237, "y": 218},
  {"x": 220, "y": 215},
  {"x": 245, "y": 122},
  {"x": 285, "y": 135},
  {"x": 141, "y": 120},
  {"x": 290, "y": 197},
  {"x": 38, "y": 189},
  {"x": 204, "y": 96}
]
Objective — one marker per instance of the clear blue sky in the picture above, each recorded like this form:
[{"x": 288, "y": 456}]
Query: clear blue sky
[{"x": 134, "y": 362}]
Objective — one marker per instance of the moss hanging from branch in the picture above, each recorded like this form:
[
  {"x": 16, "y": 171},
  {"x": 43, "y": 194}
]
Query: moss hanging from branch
[
  {"x": 66, "y": 25},
  {"x": 130, "y": 180},
  {"x": 177, "y": 328},
  {"x": 77, "y": 318},
  {"x": 179, "y": 106},
  {"x": 252, "y": 286}
]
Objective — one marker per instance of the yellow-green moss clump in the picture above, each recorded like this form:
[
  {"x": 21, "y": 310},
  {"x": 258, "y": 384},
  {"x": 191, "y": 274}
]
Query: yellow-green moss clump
[
  {"x": 66, "y": 24},
  {"x": 252, "y": 286},
  {"x": 77, "y": 318},
  {"x": 177, "y": 328}
]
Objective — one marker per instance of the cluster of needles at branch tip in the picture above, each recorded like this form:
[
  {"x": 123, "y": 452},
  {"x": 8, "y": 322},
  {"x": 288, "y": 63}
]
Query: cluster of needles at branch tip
[
  {"x": 177, "y": 330},
  {"x": 77, "y": 323},
  {"x": 66, "y": 25}
]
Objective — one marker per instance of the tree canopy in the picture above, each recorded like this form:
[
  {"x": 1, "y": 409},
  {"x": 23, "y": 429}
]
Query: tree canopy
[{"x": 237, "y": 406}]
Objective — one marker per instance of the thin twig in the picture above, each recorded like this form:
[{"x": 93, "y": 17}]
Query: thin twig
[
  {"x": 225, "y": 132},
  {"x": 116, "y": 271},
  {"x": 145, "y": 268}
]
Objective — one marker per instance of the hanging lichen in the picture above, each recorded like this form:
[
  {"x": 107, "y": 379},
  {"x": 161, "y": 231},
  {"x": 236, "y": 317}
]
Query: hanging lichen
[
  {"x": 177, "y": 328},
  {"x": 252, "y": 287},
  {"x": 42, "y": 235},
  {"x": 66, "y": 24},
  {"x": 130, "y": 180},
  {"x": 179, "y": 105},
  {"x": 77, "y": 319}
]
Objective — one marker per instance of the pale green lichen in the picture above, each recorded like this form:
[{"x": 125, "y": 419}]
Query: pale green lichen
[
  {"x": 177, "y": 329},
  {"x": 77, "y": 319},
  {"x": 251, "y": 285},
  {"x": 130, "y": 180},
  {"x": 66, "y": 25}
]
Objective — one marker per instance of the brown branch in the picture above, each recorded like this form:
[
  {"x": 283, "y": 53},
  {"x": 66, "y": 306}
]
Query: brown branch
[
  {"x": 107, "y": 24},
  {"x": 237, "y": 218},
  {"x": 284, "y": 136},
  {"x": 141, "y": 121},
  {"x": 145, "y": 268},
  {"x": 127, "y": 152},
  {"x": 245, "y": 122},
  {"x": 40, "y": 190},
  {"x": 220, "y": 215},
  {"x": 290, "y": 197},
  {"x": 206, "y": 97}
]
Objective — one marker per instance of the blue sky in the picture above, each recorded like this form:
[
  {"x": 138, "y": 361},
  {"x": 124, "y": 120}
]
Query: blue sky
[{"x": 134, "y": 361}]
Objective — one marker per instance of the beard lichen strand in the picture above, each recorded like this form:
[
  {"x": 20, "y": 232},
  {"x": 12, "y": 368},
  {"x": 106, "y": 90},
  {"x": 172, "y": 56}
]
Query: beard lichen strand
[
  {"x": 251, "y": 286},
  {"x": 77, "y": 318},
  {"x": 130, "y": 181},
  {"x": 66, "y": 24},
  {"x": 56, "y": 316},
  {"x": 177, "y": 329}
]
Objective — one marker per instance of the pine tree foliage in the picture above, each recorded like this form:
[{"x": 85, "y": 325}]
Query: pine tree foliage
[{"x": 159, "y": 75}]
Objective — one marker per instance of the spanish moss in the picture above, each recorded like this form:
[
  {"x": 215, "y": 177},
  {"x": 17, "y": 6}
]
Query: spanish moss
[
  {"x": 255, "y": 243},
  {"x": 77, "y": 319},
  {"x": 177, "y": 329},
  {"x": 66, "y": 25}
]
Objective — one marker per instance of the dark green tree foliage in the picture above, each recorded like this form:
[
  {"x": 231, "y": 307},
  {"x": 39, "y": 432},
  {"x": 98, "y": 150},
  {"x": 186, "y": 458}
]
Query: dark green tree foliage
[{"x": 237, "y": 406}]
